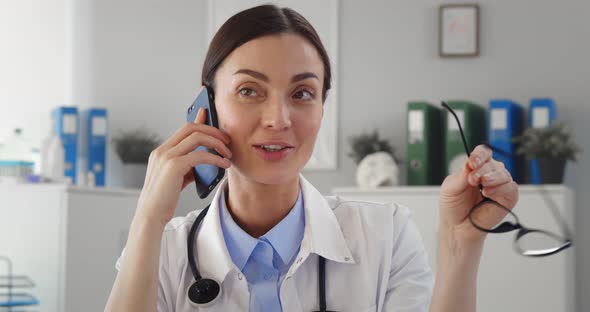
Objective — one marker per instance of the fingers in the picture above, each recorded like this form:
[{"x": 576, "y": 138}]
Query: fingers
[
  {"x": 197, "y": 139},
  {"x": 493, "y": 176},
  {"x": 480, "y": 168},
  {"x": 190, "y": 128},
  {"x": 456, "y": 184},
  {"x": 490, "y": 213},
  {"x": 491, "y": 173},
  {"x": 186, "y": 162},
  {"x": 505, "y": 194},
  {"x": 182, "y": 166},
  {"x": 188, "y": 179},
  {"x": 201, "y": 116},
  {"x": 479, "y": 156}
]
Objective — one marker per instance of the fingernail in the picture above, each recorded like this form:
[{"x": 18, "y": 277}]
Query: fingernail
[
  {"x": 490, "y": 191},
  {"x": 198, "y": 114}
]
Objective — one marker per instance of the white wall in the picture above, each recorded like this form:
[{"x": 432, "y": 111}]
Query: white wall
[
  {"x": 34, "y": 64},
  {"x": 139, "y": 59}
]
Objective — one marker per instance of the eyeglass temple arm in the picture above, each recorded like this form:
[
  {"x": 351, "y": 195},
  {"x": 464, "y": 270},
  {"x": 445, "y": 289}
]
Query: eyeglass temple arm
[
  {"x": 493, "y": 148},
  {"x": 444, "y": 104},
  {"x": 555, "y": 211}
]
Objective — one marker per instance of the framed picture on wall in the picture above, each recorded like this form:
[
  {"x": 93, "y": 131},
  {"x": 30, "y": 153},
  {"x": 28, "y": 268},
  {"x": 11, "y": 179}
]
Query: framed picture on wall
[{"x": 458, "y": 30}]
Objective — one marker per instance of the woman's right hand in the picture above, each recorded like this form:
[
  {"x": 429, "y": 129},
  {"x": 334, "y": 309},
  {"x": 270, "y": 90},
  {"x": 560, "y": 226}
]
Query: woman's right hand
[{"x": 170, "y": 166}]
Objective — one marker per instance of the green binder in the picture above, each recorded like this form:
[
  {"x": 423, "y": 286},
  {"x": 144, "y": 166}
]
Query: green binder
[
  {"x": 424, "y": 139},
  {"x": 473, "y": 121}
]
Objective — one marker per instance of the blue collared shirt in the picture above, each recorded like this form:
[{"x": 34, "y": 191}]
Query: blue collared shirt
[{"x": 264, "y": 261}]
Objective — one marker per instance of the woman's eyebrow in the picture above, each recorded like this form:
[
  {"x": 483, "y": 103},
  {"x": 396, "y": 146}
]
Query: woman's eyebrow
[
  {"x": 263, "y": 77},
  {"x": 304, "y": 76},
  {"x": 252, "y": 73}
]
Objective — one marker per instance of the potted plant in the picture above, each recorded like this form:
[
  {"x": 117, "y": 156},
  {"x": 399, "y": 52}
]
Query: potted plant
[
  {"x": 552, "y": 147},
  {"x": 134, "y": 148},
  {"x": 375, "y": 157}
]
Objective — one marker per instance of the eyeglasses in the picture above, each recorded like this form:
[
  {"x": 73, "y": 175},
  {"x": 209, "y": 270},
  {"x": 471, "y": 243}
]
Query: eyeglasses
[{"x": 527, "y": 242}]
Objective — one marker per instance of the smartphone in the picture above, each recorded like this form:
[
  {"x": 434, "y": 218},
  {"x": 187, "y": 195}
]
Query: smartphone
[{"x": 206, "y": 176}]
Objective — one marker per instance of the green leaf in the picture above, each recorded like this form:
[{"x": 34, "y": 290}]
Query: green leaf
[
  {"x": 369, "y": 143},
  {"x": 553, "y": 142}
]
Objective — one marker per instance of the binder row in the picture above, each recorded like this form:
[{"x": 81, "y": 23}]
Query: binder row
[
  {"x": 83, "y": 134},
  {"x": 435, "y": 148}
]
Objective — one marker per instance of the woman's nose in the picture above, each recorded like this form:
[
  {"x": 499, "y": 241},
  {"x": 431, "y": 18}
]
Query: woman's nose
[{"x": 276, "y": 115}]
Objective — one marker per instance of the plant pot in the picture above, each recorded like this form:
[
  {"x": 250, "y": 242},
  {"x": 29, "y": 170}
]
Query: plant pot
[
  {"x": 551, "y": 170},
  {"x": 133, "y": 175}
]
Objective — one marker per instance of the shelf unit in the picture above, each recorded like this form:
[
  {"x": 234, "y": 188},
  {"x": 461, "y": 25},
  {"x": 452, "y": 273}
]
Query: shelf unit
[{"x": 10, "y": 299}]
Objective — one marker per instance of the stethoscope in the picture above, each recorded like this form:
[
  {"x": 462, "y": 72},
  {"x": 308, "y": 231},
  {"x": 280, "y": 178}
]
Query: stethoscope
[{"x": 204, "y": 291}]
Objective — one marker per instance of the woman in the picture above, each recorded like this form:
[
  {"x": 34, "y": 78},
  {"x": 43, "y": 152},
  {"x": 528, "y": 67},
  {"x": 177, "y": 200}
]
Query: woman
[{"x": 267, "y": 227}]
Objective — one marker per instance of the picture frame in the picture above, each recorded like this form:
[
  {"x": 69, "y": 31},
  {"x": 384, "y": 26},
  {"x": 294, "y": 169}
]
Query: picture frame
[{"x": 459, "y": 29}]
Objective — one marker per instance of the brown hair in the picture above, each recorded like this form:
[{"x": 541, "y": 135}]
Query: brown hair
[{"x": 257, "y": 22}]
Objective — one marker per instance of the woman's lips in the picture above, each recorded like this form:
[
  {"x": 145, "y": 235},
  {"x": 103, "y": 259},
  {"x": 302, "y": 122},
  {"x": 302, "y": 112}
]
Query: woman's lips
[{"x": 272, "y": 156}]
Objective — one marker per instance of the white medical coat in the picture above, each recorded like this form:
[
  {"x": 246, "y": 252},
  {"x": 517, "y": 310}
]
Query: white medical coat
[{"x": 375, "y": 260}]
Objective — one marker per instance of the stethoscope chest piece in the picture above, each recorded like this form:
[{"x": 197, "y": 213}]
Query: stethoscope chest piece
[{"x": 203, "y": 292}]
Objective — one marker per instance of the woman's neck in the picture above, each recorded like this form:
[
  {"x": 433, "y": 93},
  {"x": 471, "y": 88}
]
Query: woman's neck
[{"x": 258, "y": 207}]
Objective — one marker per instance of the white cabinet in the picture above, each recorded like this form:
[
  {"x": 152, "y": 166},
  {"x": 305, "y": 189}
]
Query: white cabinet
[
  {"x": 67, "y": 239},
  {"x": 507, "y": 281}
]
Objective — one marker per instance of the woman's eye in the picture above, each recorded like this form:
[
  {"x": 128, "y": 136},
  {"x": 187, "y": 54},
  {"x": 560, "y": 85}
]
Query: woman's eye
[
  {"x": 303, "y": 95},
  {"x": 247, "y": 92}
]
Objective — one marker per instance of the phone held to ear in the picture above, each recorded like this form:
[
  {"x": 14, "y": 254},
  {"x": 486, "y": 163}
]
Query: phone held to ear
[{"x": 206, "y": 176}]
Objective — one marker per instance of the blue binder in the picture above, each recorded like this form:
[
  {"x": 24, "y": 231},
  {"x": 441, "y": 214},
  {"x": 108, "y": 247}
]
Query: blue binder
[
  {"x": 66, "y": 126},
  {"x": 505, "y": 121},
  {"x": 97, "y": 132},
  {"x": 542, "y": 112}
]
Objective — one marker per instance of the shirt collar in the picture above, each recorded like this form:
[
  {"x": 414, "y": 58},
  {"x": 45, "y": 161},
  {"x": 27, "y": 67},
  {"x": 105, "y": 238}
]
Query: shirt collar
[
  {"x": 322, "y": 234},
  {"x": 212, "y": 256},
  {"x": 285, "y": 237}
]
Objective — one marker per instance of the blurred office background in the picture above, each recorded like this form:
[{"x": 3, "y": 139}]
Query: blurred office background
[{"x": 141, "y": 60}]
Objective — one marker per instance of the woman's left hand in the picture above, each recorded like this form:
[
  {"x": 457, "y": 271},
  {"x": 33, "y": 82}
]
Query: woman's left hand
[{"x": 460, "y": 193}]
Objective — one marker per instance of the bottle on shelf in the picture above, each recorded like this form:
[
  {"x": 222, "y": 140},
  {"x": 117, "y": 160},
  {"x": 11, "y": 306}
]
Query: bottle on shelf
[
  {"x": 52, "y": 158},
  {"x": 16, "y": 162}
]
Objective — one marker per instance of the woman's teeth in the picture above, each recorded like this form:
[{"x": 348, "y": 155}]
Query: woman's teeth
[{"x": 272, "y": 148}]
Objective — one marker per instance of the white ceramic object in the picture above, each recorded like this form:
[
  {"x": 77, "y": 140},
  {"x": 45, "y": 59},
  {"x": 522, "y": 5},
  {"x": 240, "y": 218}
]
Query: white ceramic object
[{"x": 377, "y": 170}]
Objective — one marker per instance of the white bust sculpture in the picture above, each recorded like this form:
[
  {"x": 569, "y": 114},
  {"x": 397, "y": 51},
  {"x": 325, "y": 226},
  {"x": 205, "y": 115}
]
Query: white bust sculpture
[{"x": 377, "y": 169}]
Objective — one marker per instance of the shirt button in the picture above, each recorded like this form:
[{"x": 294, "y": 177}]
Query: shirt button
[{"x": 240, "y": 276}]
